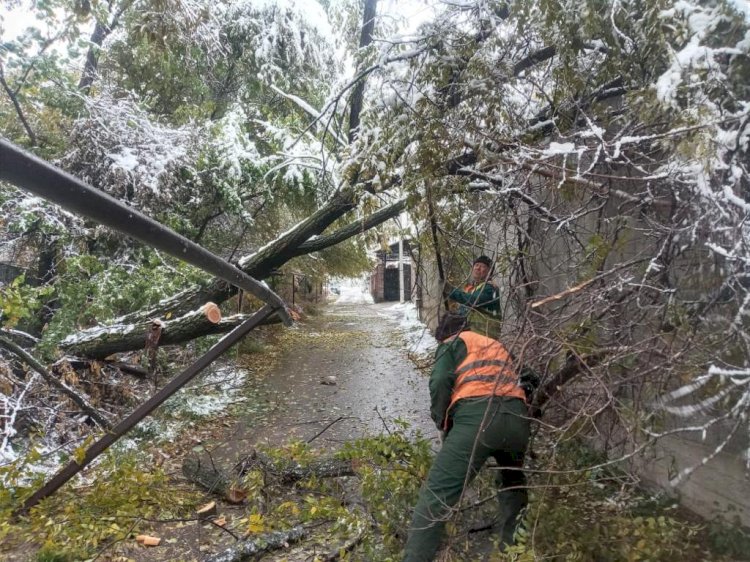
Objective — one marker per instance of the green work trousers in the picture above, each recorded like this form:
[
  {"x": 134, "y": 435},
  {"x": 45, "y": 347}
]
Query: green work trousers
[{"x": 504, "y": 436}]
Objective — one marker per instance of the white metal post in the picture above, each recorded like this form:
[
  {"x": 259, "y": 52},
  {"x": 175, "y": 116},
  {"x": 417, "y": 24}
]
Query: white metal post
[{"x": 401, "y": 270}]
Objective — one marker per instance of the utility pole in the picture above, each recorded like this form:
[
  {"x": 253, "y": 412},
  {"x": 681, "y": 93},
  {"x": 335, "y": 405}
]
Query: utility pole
[{"x": 401, "y": 270}]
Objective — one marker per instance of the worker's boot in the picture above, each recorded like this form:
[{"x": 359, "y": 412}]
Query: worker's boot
[{"x": 512, "y": 503}]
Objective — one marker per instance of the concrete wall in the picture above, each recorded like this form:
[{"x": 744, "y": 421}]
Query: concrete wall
[{"x": 720, "y": 486}]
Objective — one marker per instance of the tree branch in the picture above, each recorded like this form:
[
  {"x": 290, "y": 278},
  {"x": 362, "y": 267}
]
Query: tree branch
[
  {"x": 100, "y": 33},
  {"x": 17, "y": 107},
  {"x": 52, "y": 381},
  {"x": 574, "y": 366},
  {"x": 533, "y": 59},
  {"x": 365, "y": 39},
  {"x": 357, "y": 227}
]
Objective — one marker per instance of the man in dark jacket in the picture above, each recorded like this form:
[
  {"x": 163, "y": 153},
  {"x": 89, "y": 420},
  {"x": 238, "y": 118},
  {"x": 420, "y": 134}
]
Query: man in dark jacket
[
  {"x": 477, "y": 401},
  {"x": 479, "y": 299}
]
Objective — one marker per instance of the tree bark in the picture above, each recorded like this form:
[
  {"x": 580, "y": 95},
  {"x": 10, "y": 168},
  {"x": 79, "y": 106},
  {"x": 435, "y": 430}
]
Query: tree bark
[
  {"x": 357, "y": 97},
  {"x": 292, "y": 472},
  {"x": 357, "y": 227},
  {"x": 101, "y": 32},
  {"x": 251, "y": 549},
  {"x": 101, "y": 342}
]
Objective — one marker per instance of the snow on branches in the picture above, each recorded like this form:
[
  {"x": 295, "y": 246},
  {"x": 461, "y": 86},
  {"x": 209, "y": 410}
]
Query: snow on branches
[
  {"x": 285, "y": 39},
  {"x": 123, "y": 150},
  {"x": 601, "y": 147}
]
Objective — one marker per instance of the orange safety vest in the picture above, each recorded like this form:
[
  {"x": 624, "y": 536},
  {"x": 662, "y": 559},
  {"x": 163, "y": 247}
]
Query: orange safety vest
[
  {"x": 487, "y": 370},
  {"x": 471, "y": 287}
]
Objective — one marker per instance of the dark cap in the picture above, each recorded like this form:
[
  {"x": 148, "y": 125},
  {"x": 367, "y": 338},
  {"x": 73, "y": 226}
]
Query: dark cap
[{"x": 483, "y": 259}]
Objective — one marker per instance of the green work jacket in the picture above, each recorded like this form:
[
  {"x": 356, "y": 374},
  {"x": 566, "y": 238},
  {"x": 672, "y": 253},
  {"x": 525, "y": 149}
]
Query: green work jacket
[
  {"x": 448, "y": 357},
  {"x": 482, "y": 297}
]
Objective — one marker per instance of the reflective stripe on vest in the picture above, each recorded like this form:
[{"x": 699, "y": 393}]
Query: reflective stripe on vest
[
  {"x": 482, "y": 363},
  {"x": 487, "y": 370}
]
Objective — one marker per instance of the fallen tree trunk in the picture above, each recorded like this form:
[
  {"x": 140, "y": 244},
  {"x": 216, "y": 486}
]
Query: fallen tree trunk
[
  {"x": 299, "y": 241},
  {"x": 205, "y": 473},
  {"x": 262, "y": 543},
  {"x": 258, "y": 265},
  {"x": 103, "y": 341},
  {"x": 129, "y": 333},
  {"x": 290, "y": 472}
]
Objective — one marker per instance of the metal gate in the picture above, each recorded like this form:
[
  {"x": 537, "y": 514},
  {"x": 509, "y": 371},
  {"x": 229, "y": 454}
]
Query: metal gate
[{"x": 390, "y": 284}]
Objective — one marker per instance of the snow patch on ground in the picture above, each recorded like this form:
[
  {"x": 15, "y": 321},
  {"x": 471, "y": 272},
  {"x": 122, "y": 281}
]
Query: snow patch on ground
[
  {"x": 47, "y": 465},
  {"x": 210, "y": 395},
  {"x": 353, "y": 292},
  {"x": 417, "y": 336}
]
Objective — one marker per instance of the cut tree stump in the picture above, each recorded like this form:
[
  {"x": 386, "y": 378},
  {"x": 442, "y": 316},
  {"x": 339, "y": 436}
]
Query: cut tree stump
[
  {"x": 207, "y": 511},
  {"x": 212, "y": 312},
  {"x": 204, "y": 473}
]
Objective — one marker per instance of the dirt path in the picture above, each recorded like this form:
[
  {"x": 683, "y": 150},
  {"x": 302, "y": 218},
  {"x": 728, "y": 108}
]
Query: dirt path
[
  {"x": 344, "y": 373},
  {"x": 374, "y": 383}
]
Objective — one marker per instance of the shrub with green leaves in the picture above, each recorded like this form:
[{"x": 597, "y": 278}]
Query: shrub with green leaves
[
  {"x": 80, "y": 519},
  {"x": 19, "y": 301},
  {"x": 392, "y": 468}
]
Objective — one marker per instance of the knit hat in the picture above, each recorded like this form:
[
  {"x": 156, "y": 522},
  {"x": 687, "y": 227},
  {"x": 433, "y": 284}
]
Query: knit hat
[{"x": 483, "y": 259}]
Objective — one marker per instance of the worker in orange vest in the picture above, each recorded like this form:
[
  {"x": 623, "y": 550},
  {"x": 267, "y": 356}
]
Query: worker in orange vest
[{"x": 477, "y": 401}]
